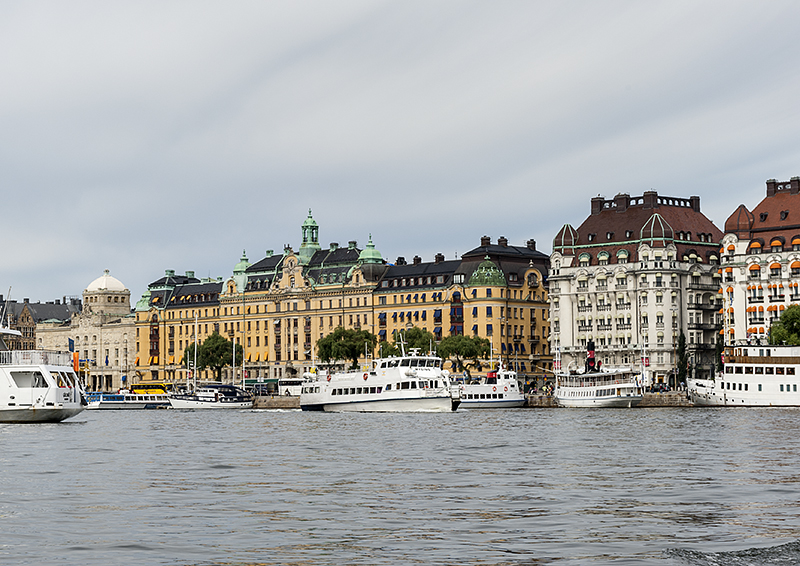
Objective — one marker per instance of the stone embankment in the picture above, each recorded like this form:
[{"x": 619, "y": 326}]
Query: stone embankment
[
  {"x": 277, "y": 402},
  {"x": 671, "y": 399}
]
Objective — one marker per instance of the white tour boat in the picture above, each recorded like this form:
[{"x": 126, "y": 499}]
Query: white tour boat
[
  {"x": 596, "y": 387},
  {"x": 213, "y": 396},
  {"x": 499, "y": 389},
  {"x": 407, "y": 383},
  {"x": 753, "y": 376},
  {"x": 291, "y": 386},
  {"x": 37, "y": 386}
]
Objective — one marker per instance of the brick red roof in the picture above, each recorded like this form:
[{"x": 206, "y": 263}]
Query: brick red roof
[{"x": 776, "y": 216}]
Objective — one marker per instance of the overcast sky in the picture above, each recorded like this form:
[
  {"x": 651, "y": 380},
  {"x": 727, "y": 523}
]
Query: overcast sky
[{"x": 144, "y": 136}]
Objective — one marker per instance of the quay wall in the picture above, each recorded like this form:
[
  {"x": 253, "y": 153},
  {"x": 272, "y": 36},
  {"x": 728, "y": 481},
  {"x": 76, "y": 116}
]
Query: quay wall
[
  {"x": 671, "y": 399},
  {"x": 276, "y": 402}
]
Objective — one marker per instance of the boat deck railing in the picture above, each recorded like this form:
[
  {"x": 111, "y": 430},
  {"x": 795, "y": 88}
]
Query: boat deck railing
[
  {"x": 579, "y": 381},
  {"x": 34, "y": 358}
]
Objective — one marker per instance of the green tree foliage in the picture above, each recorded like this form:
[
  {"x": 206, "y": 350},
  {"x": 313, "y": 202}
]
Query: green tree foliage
[
  {"x": 787, "y": 328},
  {"x": 464, "y": 351},
  {"x": 215, "y": 352},
  {"x": 683, "y": 359},
  {"x": 414, "y": 337},
  {"x": 345, "y": 344}
]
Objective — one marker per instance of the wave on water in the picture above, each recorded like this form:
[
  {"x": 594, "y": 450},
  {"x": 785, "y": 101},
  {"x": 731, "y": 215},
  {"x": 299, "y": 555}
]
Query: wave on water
[{"x": 782, "y": 555}]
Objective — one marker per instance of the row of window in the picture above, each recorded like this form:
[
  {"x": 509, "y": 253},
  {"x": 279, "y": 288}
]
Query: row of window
[{"x": 760, "y": 370}]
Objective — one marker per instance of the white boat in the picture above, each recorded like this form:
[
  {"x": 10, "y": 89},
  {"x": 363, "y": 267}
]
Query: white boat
[
  {"x": 595, "y": 387},
  {"x": 499, "y": 389},
  {"x": 753, "y": 376},
  {"x": 37, "y": 386},
  {"x": 126, "y": 400},
  {"x": 407, "y": 383},
  {"x": 291, "y": 386},
  {"x": 213, "y": 396}
]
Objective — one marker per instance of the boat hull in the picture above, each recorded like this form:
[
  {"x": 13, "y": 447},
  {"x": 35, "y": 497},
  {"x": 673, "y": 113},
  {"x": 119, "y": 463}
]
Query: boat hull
[
  {"x": 708, "y": 393},
  {"x": 600, "y": 402},
  {"x": 179, "y": 403},
  {"x": 38, "y": 414},
  {"x": 411, "y": 405},
  {"x": 492, "y": 403}
]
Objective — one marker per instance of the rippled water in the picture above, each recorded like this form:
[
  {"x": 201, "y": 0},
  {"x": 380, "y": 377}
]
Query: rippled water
[{"x": 540, "y": 486}]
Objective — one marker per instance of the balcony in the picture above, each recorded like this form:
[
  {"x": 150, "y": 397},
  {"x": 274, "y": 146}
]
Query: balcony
[
  {"x": 585, "y": 308},
  {"x": 623, "y": 306},
  {"x": 604, "y": 307},
  {"x": 755, "y": 299},
  {"x": 776, "y": 298},
  {"x": 624, "y": 326},
  {"x": 702, "y": 326}
]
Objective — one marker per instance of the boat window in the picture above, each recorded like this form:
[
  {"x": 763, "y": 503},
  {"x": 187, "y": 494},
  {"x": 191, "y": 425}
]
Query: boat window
[
  {"x": 414, "y": 363},
  {"x": 748, "y": 369},
  {"x": 781, "y": 387},
  {"x": 794, "y": 388},
  {"x": 28, "y": 379},
  {"x": 759, "y": 370},
  {"x": 779, "y": 371},
  {"x": 388, "y": 387},
  {"x": 745, "y": 386},
  {"x": 789, "y": 371},
  {"x": 740, "y": 387},
  {"x": 413, "y": 385},
  {"x": 739, "y": 369},
  {"x": 759, "y": 387},
  {"x": 405, "y": 362},
  {"x": 729, "y": 369},
  {"x": 770, "y": 371},
  {"x": 405, "y": 385}
]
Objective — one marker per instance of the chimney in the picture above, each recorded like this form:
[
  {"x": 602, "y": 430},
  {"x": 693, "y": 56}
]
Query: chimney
[
  {"x": 795, "y": 185},
  {"x": 401, "y": 261},
  {"x": 351, "y": 245},
  {"x": 622, "y": 201},
  {"x": 597, "y": 204},
  {"x": 486, "y": 241},
  {"x": 58, "y": 301},
  {"x": 190, "y": 274},
  {"x": 26, "y": 300},
  {"x": 502, "y": 241},
  {"x": 695, "y": 202},
  {"x": 334, "y": 246},
  {"x": 438, "y": 258},
  {"x": 169, "y": 273},
  {"x": 650, "y": 199},
  {"x": 531, "y": 245},
  {"x": 772, "y": 186},
  {"x": 270, "y": 253},
  {"x": 417, "y": 260}
]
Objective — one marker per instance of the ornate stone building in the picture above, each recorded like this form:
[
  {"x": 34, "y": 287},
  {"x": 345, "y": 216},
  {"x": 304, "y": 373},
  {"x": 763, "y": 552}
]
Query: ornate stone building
[{"x": 637, "y": 272}]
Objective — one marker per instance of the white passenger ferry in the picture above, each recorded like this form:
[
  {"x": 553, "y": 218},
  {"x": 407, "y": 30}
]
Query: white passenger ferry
[
  {"x": 411, "y": 383},
  {"x": 595, "y": 387},
  {"x": 499, "y": 389},
  {"x": 126, "y": 400},
  {"x": 753, "y": 376},
  {"x": 37, "y": 386}
]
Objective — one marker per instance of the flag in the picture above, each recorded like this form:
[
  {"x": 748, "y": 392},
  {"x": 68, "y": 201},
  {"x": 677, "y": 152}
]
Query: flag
[
  {"x": 106, "y": 359},
  {"x": 71, "y": 343}
]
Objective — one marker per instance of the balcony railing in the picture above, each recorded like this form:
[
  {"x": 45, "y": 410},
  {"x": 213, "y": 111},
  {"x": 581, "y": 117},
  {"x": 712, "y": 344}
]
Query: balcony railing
[{"x": 35, "y": 357}]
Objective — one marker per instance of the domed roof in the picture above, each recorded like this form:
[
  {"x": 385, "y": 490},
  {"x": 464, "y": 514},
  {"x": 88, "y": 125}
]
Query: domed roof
[
  {"x": 369, "y": 254},
  {"x": 243, "y": 264},
  {"x": 106, "y": 282},
  {"x": 488, "y": 274},
  {"x": 656, "y": 228},
  {"x": 566, "y": 237},
  {"x": 309, "y": 221}
]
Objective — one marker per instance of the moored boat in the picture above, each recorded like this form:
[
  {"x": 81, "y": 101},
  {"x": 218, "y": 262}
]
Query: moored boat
[
  {"x": 37, "y": 386},
  {"x": 498, "y": 389},
  {"x": 596, "y": 387},
  {"x": 407, "y": 383},
  {"x": 126, "y": 400},
  {"x": 213, "y": 396},
  {"x": 752, "y": 376}
]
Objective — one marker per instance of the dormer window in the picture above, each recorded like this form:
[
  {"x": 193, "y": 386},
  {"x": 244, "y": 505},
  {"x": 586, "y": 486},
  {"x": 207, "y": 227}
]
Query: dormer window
[
  {"x": 592, "y": 237},
  {"x": 609, "y": 235},
  {"x": 628, "y": 233},
  {"x": 763, "y": 216},
  {"x": 784, "y": 214}
]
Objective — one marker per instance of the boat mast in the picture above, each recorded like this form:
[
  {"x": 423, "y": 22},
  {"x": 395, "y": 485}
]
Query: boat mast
[{"x": 194, "y": 365}]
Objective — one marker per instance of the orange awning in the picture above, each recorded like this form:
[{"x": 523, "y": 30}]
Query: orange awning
[
  {"x": 731, "y": 247},
  {"x": 795, "y": 265},
  {"x": 730, "y": 310},
  {"x": 771, "y": 308},
  {"x": 755, "y": 245},
  {"x": 731, "y": 331},
  {"x": 729, "y": 290},
  {"x": 782, "y": 308},
  {"x": 775, "y": 265},
  {"x": 761, "y": 330},
  {"x": 776, "y": 243},
  {"x": 172, "y": 359},
  {"x": 796, "y": 242},
  {"x": 755, "y": 267},
  {"x": 760, "y": 309},
  {"x": 136, "y": 363},
  {"x": 728, "y": 270}
]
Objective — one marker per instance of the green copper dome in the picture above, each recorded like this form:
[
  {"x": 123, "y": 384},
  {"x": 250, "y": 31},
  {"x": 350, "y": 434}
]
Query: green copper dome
[
  {"x": 369, "y": 254},
  {"x": 487, "y": 274},
  {"x": 243, "y": 264}
]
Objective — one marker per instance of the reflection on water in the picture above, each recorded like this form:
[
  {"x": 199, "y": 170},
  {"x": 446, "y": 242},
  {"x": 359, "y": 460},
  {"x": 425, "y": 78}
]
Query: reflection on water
[{"x": 661, "y": 486}]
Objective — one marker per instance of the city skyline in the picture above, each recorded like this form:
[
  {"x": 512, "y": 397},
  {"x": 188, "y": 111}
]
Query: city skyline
[{"x": 150, "y": 137}]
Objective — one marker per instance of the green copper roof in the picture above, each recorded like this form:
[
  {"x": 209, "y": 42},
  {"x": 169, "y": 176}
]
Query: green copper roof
[
  {"x": 369, "y": 254},
  {"x": 243, "y": 264},
  {"x": 487, "y": 274},
  {"x": 309, "y": 221}
]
